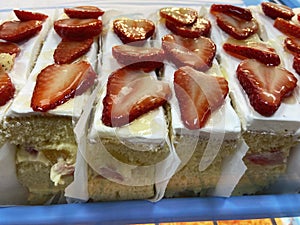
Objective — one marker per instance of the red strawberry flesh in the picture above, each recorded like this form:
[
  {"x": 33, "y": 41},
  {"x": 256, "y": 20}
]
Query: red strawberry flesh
[
  {"x": 266, "y": 158},
  {"x": 237, "y": 11},
  {"x": 274, "y": 10},
  {"x": 198, "y": 95},
  {"x": 253, "y": 50},
  {"x": 24, "y": 15},
  {"x": 292, "y": 44},
  {"x": 84, "y": 12},
  {"x": 265, "y": 86},
  {"x": 57, "y": 84},
  {"x": 7, "y": 89},
  {"x": 9, "y": 48},
  {"x": 197, "y": 53},
  {"x": 179, "y": 16},
  {"x": 17, "y": 31},
  {"x": 69, "y": 50},
  {"x": 129, "y": 30},
  {"x": 131, "y": 94},
  {"x": 287, "y": 27},
  {"x": 138, "y": 57},
  {"x": 296, "y": 64},
  {"x": 78, "y": 29},
  {"x": 235, "y": 27},
  {"x": 201, "y": 27}
]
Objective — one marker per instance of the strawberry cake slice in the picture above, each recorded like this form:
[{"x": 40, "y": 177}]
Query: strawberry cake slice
[
  {"x": 129, "y": 131},
  {"x": 204, "y": 127},
  {"x": 40, "y": 120},
  {"x": 20, "y": 43},
  {"x": 263, "y": 93}
]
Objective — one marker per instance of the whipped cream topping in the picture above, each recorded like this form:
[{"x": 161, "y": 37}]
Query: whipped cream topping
[
  {"x": 285, "y": 120},
  {"x": 21, "y": 104}
]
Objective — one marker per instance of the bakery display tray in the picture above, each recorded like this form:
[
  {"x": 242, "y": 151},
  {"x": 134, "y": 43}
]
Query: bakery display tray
[{"x": 166, "y": 210}]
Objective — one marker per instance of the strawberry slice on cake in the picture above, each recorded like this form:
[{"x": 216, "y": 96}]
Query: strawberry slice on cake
[
  {"x": 69, "y": 50},
  {"x": 24, "y": 15},
  {"x": 274, "y": 10},
  {"x": 179, "y": 16},
  {"x": 138, "y": 57},
  {"x": 197, "y": 53},
  {"x": 253, "y": 50},
  {"x": 198, "y": 95},
  {"x": 78, "y": 29},
  {"x": 7, "y": 89},
  {"x": 130, "y": 30},
  {"x": 56, "y": 84},
  {"x": 266, "y": 86},
  {"x": 235, "y": 21},
  {"x": 130, "y": 94},
  {"x": 84, "y": 12}
]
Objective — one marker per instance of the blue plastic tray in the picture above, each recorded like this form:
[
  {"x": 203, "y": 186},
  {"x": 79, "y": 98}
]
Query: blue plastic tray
[{"x": 167, "y": 210}]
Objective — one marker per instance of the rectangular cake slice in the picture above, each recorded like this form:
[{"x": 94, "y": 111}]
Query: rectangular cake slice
[
  {"x": 16, "y": 60},
  {"x": 204, "y": 132},
  {"x": 124, "y": 156},
  {"x": 270, "y": 130},
  {"x": 44, "y": 132}
]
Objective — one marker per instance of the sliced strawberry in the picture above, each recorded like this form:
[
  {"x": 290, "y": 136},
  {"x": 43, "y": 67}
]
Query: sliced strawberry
[
  {"x": 129, "y": 30},
  {"x": 130, "y": 94},
  {"x": 10, "y": 48},
  {"x": 7, "y": 89},
  {"x": 179, "y": 16},
  {"x": 265, "y": 86},
  {"x": 197, "y": 53},
  {"x": 78, "y": 29},
  {"x": 292, "y": 44},
  {"x": 84, "y": 12},
  {"x": 274, "y": 10},
  {"x": 296, "y": 64},
  {"x": 17, "y": 31},
  {"x": 253, "y": 50},
  {"x": 237, "y": 11},
  {"x": 28, "y": 15},
  {"x": 69, "y": 50},
  {"x": 287, "y": 27},
  {"x": 201, "y": 27},
  {"x": 198, "y": 95},
  {"x": 266, "y": 158},
  {"x": 56, "y": 84},
  {"x": 234, "y": 26},
  {"x": 147, "y": 58}
]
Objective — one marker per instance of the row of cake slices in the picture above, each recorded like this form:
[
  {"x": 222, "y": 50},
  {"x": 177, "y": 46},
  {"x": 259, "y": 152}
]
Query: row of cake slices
[{"x": 181, "y": 52}]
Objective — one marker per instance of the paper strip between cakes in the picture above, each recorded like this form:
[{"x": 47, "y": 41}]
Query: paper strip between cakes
[{"x": 170, "y": 101}]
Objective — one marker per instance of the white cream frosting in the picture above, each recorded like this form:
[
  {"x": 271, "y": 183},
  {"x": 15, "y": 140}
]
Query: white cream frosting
[
  {"x": 21, "y": 104},
  {"x": 285, "y": 120},
  {"x": 150, "y": 128}
]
